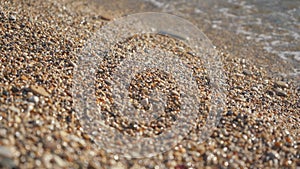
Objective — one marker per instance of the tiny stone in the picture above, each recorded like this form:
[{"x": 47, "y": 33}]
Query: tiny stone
[
  {"x": 23, "y": 77},
  {"x": 108, "y": 82},
  {"x": 280, "y": 92},
  {"x": 5, "y": 152},
  {"x": 12, "y": 17},
  {"x": 73, "y": 63},
  {"x": 255, "y": 89},
  {"x": 7, "y": 163},
  {"x": 145, "y": 103},
  {"x": 60, "y": 162},
  {"x": 18, "y": 119},
  {"x": 181, "y": 166},
  {"x": 247, "y": 72},
  {"x": 39, "y": 90},
  {"x": 30, "y": 107},
  {"x": 229, "y": 113},
  {"x": 34, "y": 99},
  {"x": 5, "y": 93},
  {"x": 281, "y": 84},
  {"x": 243, "y": 61},
  {"x": 175, "y": 92},
  {"x": 3, "y": 132},
  {"x": 14, "y": 109},
  {"x": 271, "y": 93},
  {"x": 14, "y": 89}
]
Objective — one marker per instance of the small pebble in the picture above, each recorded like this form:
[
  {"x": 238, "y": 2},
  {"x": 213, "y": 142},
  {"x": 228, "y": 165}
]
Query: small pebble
[
  {"x": 145, "y": 103},
  {"x": 247, "y": 72},
  {"x": 181, "y": 166},
  {"x": 39, "y": 90},
  {"x": 229, "y": 113},
  {"x": 34, "y": 99},
  {"x": 7, "y": 163},
  {"x": 281, "y": 84},
  {"x": 280, "y": 92},
  {"x": 23, "y": 77},
  {"x": 3, "y": 132},
  {"x": 12, "y": 17},
  {"x": 30, "y": 107},
  {"x": 14, "y": 109},
  {"x": 5, "y": 152}
]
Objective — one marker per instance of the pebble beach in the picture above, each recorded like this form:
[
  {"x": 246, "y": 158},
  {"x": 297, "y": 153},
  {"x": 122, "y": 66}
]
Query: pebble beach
[{"x": 39, "y": 128}]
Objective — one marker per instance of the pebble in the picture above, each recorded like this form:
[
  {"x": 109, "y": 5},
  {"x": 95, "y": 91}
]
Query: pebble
[
  {"x": 247, "y": 72},
  {"x": 39, "y": 90},
  {"x": 145, "y": 103},
  {"x": 23, "y": 77},
  {"x": 5, "y": 152},
  {"x": 59, "y": 161},
  {"x": 119, "y": 166},
  {"x": 34, "y": 99},
  {"x": 229, "y": 113},
  {"x": 30, "y": 107},
  {"x": 181, "y": 166},
  {"x": 50, "y": 159},
  {"x": 14, "y": 109},
  {"x": 18, "y": 119},
  {"x": 3, "y": 132},
  {"x": 7, "y": 163},
  {"x": 12, "y": 17},
  {"x": 280, "y": 92},
  {"x": 281, "y": 84}
]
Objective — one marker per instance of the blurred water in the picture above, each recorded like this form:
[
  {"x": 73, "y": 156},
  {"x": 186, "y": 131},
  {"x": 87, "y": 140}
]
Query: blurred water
[
  {"x": 270, "y": 28},
  {"x": 273, "y": 23}
]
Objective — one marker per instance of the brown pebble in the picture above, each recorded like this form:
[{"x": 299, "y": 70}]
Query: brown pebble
[
  {"x": 86, "y": 136},
  {"x": 23, "y": 77},
  {"x": 39, "y": 90},
  {"x": 106, "y": 18}
]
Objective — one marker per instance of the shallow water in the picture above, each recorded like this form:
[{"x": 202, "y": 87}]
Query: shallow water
[
  {"x": 275, "y": 24},
  {"x": 266, "y": 31}
]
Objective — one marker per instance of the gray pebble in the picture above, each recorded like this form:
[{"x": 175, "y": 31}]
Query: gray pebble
[
  {"x": 34, "y": 99},
  {"x": 12, "y": 17},
  {"x": 5, "y": 152},
  {"x": 247, "y": 72},
  {"x": 280, "y": 92}
]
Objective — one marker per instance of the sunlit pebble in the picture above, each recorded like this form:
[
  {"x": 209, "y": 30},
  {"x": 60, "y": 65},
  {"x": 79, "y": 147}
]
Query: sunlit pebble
[{"x": 116, "y": 157}]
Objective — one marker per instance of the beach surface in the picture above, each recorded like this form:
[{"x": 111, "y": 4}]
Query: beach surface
[{"x": 39, "y": 127}]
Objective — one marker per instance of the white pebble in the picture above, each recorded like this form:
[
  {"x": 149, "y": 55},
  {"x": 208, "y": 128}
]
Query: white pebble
[{"x": 34, "y": 99}]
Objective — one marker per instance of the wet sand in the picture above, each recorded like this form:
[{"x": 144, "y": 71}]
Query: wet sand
[{"x": 39, "y": 127}]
